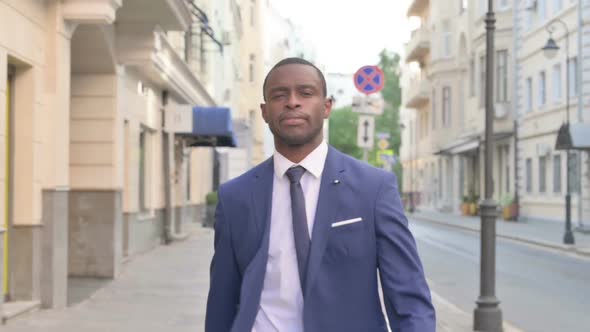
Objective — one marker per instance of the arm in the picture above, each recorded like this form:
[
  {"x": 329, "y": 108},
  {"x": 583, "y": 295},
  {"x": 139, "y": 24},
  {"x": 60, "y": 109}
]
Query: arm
[
  {"x": 405, "y": 291},
  {"x": 225, "y": 279}
]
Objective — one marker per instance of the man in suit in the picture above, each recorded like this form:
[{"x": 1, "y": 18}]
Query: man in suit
[{"x": 301, "y": 239}]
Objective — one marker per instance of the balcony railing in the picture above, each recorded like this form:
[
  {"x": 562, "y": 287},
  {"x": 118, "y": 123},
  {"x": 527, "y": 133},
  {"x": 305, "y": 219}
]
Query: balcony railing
[
  {"x": 418, "y": 92},
  {"x": 419, "y": 45}
]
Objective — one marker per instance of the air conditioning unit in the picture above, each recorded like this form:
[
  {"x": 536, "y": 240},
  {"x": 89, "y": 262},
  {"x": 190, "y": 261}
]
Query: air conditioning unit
[{"x": 530, "y": 5}]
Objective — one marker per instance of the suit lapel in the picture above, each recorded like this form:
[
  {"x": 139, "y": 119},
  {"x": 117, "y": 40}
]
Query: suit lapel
[
  {"x": 262, "y": 195},
  {"x": 326, "y": 208}
]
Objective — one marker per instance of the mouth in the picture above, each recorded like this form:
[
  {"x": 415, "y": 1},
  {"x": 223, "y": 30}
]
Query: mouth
[{"x": 293, "y": 120}]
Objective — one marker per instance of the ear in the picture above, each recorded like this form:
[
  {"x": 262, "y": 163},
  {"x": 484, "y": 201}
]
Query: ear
[
  {"x": 328, "y": 103},
  {"x": 264, "y": 112}
]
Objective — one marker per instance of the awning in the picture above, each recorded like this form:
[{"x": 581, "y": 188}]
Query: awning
[
  {"x": 574, "y": 136},
  {"x": 469, "y": 145},
  {"x": 460, "y": 146},
  {"x": 212, "y": 126}
]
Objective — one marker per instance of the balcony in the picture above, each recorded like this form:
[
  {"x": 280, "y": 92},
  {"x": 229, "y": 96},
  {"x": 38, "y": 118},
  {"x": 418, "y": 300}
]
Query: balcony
[
  {"x": 419, "y": 45},
  {"x": 169, "y": 15},
  {"x": 418, "y": 93},
  {"x": 417, "y": 7}
]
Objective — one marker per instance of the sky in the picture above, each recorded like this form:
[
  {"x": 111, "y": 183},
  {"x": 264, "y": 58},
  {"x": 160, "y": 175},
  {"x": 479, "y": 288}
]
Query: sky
[{"x": 349, "y": 34}]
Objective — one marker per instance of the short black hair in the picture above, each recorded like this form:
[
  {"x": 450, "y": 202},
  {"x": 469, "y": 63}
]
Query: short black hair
[{"x": 295, "y": 61}]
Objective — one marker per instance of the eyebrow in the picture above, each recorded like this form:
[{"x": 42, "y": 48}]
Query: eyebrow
[{"x": 298, "y": 87}]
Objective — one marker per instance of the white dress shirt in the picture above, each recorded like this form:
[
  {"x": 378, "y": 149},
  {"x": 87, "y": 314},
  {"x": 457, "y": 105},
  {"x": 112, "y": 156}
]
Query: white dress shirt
[{"x": 281, "y": 302}]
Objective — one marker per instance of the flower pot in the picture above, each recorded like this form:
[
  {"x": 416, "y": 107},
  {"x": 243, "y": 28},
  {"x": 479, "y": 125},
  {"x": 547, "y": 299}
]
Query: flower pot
[
  {"x": 510, "y": 212},
  {"x": 465, "y": 209},
  {"x": 472, "y": 209}
]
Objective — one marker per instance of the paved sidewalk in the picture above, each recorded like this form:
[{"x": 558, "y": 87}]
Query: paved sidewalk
[
  {"x": 165, "y": 290},
  {"x": 537, "y": 232}
]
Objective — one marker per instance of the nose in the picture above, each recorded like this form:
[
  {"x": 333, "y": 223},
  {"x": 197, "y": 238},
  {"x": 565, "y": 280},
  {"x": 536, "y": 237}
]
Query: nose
[{"x": 293, "y": 101}]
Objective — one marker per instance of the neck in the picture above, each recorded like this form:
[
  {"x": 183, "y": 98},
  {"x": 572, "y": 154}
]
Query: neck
[{"x": 297, "y": 153}]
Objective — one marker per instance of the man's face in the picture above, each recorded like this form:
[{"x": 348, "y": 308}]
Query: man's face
[{"x": 295, "y": 105}]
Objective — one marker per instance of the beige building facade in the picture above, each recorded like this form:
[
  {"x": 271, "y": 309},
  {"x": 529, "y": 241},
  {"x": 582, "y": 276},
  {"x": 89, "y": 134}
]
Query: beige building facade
[
  {"x": 252, "y": 64},
  {"x": 446, "y": 60},
  {"x": 544, "y": 85},
  {"x": 444, "y": 87},
  {"x": 93, "y": 167}
]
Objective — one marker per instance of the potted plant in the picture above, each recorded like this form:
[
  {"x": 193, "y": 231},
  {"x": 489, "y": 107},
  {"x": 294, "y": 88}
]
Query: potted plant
[
  {"x": 465, "y": 205},
  {"x": 509, "y": 208},
  {"x": 473, "y": 204},
  {"x": 211, "y": 200}
]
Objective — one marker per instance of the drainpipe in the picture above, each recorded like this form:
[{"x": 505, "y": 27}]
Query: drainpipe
[
  {"x": 579, "y": 80},
  {"x": 167, "y": 141},
  {"x": 515, "y": 39},
  {"x": 580, "y": 60}
]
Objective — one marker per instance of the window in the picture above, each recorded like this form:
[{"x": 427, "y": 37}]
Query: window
[
  {"x": 557, "y": 5},
  {"x": 528, "y": 19},
  {"x": 251, "y": 67},
  {"x": 252, "y": 13},
  {"x": 482, "y": 80},
  {"x": 433, "y": 108},
  {"x": 542, "y": 89},
  {"x": 463, "y": 6},
  {"x": 503, "y": 4},
  {"x": 557, "y": 82},
  {"x": 507, "y": 169},
  {"x": 188, "y": 176},
  {"x": 446, "y": 106},
  {"x": 483, "y": 6},
  {"x": 529, "y": 95},
  {"x": 557, "y": 174},
  {"x": 440, "y": 178},
  {"x": 142, "y": 170},
  {"x": 542, "y": 174},
  {"x": 573, "y": 76},
  {"x": 502, "y": 76},
  {"x": 541, "y": 10},
  {"x": 446, "y": 40},
  {"x": 574, "y": 173},
  {"x": 412, "y": 130},
  {"x": 472, "y": 77},
  {"x": 529, "y": 175}
]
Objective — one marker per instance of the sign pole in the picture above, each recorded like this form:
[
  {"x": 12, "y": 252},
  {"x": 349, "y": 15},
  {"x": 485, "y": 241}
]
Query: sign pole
[{"x": 367, "y": 80}]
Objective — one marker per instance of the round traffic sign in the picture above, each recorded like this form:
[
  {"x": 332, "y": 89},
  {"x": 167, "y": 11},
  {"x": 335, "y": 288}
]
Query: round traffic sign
[{"x": 369, "y": 79}]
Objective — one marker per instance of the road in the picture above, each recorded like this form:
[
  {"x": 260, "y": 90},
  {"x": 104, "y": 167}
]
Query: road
[{"x": 540, "y": 290}]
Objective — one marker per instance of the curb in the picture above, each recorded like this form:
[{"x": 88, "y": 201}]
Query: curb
[{"x": 539, "y": 243}]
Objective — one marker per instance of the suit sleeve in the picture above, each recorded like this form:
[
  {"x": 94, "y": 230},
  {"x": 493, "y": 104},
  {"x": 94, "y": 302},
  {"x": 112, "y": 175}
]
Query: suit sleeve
[
  {"x": 405, "y": 291},
  {"x": 225, "y": 279}
]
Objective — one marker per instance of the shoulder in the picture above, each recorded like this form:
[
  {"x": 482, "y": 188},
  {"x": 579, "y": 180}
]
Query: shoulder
[
  {"x": 241, "y": 185},
  {"x": 360, "y": 169}
]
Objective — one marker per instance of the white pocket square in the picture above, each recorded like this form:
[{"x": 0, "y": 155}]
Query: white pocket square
[{"x": 346, "y": 222}]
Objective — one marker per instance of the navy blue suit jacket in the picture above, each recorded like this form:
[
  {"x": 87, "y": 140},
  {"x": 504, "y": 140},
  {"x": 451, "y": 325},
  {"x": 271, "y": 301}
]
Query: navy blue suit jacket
[{"x": 342, "y": 289}]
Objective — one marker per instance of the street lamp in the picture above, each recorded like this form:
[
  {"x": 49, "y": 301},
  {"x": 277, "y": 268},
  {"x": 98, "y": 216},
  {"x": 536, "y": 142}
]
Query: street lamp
[
  {"x": 550, "y": 50},
  {"x": 487, "y": 315}
]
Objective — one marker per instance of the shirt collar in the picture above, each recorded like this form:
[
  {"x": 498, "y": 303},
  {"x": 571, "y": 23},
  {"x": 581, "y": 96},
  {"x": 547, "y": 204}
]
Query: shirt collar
[{"x": 313, "y": 163}]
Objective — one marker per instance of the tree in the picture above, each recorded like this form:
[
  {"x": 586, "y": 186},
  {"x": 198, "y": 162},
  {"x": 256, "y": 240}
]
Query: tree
[
  {"x": 343, "y": 122},
  {"x": 388, "y": 122},
  {"x": 342, "y": 133}
]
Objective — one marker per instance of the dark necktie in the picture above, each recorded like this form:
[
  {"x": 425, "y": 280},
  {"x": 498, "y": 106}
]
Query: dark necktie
[{"x": 300, "y": 230}]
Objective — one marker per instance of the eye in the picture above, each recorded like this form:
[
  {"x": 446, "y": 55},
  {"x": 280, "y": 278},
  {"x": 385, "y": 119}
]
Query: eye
[
  {"x": 277, "y": 96},
  {"x": 307, "y": 93}
]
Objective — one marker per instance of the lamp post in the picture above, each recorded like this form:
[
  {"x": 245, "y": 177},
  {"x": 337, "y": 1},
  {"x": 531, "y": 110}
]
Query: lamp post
[
  {"x": 487, "y": 315},
  {"x": 550, "y": 50}
]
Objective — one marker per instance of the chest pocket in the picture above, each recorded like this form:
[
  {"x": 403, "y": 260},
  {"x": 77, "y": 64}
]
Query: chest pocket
[{"x": 349, "y": 241}]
